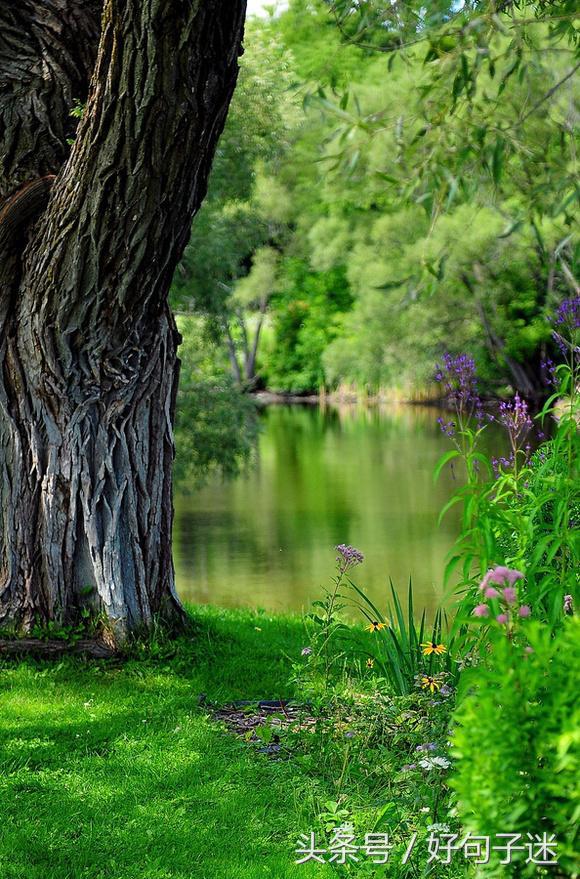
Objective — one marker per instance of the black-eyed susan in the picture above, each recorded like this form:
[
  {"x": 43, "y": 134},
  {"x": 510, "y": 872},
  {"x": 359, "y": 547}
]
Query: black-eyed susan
[
  {"x": 430, "y": 647},
  {"x": 370, "y": 663},
  {"x": 375, "y": 626},
  {"x": 430, "y": 682}
]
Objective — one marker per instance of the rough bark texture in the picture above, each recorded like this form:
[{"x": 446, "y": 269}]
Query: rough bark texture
[{"x": 88, "y": 346}]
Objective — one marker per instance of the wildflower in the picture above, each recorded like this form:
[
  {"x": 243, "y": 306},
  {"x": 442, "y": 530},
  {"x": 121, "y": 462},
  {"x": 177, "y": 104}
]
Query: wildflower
[
  {"x": 375, "y": 626},
  {"x": 457, "y": 375},
  {"x": 408, "y": 767},
  {"x": 370, "y": 663},
  {"x": 348, "y": 557},
  {"x": 482, "y": 610},
  {"x": 524, "y": 611},
  {"x": 430, "y": 647},
  {"x": 445, "y": 690},
  {"x": 515, "y": 418},
  {"x": 568, "y": 604},
  {"x": 568, "y": 313},
  {"x": 434, "y": 763},
  {"x": 490, "y": 592},
  {"x": 430, "y": 682},
  {"x": 306, "y": 651},
  {"x": 428, "y": 746},
  {"x": 528, "y": 650},
  {"x": 510, "y": 594},
  {"x": 502, "y": 618}
]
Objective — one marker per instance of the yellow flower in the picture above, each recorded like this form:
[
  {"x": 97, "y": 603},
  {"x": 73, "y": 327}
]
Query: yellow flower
[
  {"x": 375, "y": 626},
  {"x": 430, "y": 683},
  {"x": 370, "y": 663},
  {"x": 430, "y": 647}
]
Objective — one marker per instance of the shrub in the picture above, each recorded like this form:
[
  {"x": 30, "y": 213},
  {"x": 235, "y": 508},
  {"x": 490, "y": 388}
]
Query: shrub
[{"x": 517, "y": 743}]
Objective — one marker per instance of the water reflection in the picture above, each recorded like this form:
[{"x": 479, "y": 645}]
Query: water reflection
[{"x": 323, "y": 476}]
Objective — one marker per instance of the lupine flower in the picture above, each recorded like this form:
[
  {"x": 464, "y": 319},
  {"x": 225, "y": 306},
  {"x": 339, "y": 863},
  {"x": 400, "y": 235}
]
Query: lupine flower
[
  {"x": 510, "y": 594},
  {"x": 482, "y": 610},
  {"x": 568, "y": 604},
  {"x": 430, "y": 647},
  {"x": 348, "y": 557},
  {"x": 306, "y": 651},
  {"x": 502, "y": 618},
  {"x": 524, "y": 611}
]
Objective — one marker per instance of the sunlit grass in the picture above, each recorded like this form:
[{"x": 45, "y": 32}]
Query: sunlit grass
[{"x": 117, "y": 772}]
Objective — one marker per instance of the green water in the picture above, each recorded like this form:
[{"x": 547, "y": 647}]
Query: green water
[{"x": 322, "y": 477}]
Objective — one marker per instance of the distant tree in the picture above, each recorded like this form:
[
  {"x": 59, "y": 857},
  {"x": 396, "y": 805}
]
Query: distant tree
[{"x": 90, "y": 234}]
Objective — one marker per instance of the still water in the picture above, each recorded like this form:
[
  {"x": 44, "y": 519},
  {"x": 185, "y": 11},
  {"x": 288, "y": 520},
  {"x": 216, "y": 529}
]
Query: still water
[{"x": 354, "y": 475}]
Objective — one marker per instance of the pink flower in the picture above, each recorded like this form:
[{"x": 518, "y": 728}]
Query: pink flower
[
  {"x": 500, "y": 575},
  {"x": 528, "y": 650},
  {"x": 490, "y": 592},
  {"x": 482, "y": 610},
  {"x": 485, "y": 582},
  {"x": 525, "y": 611},
  {"x": 510, "y": 594},
  {"x": 502, "y": 618}
]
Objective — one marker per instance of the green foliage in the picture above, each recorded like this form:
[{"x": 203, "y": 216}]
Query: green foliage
[
  {"x": 517, "y": 743},
  {"x": 401, "y": 649},
  {"x": 307, "y": 316},
  {"x": 216, "y": 427}
]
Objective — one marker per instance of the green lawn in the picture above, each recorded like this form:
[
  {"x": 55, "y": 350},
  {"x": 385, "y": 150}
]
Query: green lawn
[{"x": 116, "y": 771}]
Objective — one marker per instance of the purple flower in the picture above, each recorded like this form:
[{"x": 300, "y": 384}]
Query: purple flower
[
  {"x": 447, "y": 427},
  {"x": 429, "y": 746},
  {"x": 348, "y": 557},
  {"x": 482, "y": 610},
  {"x": 502, "y": 618},
  {"x": 490, "y": 592},
  {"x": 458, "y": 378},
  {"x": 306, "y": 651},
  {"x": 568, "y": 314},
  {"x": 510, "y": 594},
  {"x": 445, "y": 690},
  {"x": 568, "y": 605},
  {"x": 514, "y": 416},
  {"x": 525, "y": 611},
  {"x": 408, "y": 767}
]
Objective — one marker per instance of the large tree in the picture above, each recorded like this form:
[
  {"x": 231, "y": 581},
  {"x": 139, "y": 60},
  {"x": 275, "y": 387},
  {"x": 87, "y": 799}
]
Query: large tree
[{"x": 92, "y": 225}]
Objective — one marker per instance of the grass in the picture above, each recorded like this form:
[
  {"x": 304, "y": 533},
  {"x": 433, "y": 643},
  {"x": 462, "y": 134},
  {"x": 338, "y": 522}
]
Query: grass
[{"x": 117, "y": 772}]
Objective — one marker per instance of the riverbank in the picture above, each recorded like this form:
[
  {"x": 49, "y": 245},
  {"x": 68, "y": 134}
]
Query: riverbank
[{"x": 122, "y": 771}]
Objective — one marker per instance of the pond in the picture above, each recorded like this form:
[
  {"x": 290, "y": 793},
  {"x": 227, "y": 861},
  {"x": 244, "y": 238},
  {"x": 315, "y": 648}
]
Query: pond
[{"x": 323, "y": 476}]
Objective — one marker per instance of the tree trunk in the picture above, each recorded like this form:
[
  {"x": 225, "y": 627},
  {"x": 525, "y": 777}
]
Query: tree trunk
[{"x": 88, "y": 346}]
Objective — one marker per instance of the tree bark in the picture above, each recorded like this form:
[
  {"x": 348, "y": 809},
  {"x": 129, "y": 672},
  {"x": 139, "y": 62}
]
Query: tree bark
[{"x": 88, "y": 346}]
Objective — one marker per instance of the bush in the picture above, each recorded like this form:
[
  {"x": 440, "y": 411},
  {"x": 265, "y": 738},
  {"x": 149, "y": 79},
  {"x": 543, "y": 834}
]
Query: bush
[{"x": 517, "y": 743}]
